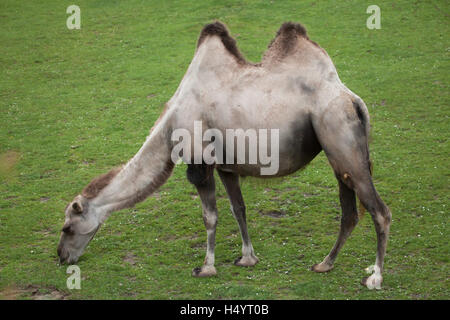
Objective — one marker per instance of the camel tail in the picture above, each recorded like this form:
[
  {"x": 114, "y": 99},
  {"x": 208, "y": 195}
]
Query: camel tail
[{"x": 363, "y": 115}]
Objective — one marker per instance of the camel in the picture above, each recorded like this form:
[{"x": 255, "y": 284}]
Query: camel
[{"x": 294, "y": 89}]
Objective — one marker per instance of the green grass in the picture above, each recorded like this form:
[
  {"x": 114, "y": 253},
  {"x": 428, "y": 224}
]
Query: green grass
[{"x": 74, "y": 103}]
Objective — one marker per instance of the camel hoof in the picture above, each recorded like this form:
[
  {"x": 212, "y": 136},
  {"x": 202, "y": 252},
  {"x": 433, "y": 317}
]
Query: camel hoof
[
  {"x": 372, "y": 282},
  {"x": 246, "y": 261},
  {"x": 321, "y": 267},
  {"x": 204, "y": 271}
]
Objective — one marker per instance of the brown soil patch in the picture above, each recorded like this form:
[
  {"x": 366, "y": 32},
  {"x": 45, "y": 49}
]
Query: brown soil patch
[
  {"x": 130, "y": 258},
  {"x": 274, "y": 213},
  {"x": 8, "y": 161},
  {"x": 44, "y": 199},
  {"x": 32, "y": 291}
]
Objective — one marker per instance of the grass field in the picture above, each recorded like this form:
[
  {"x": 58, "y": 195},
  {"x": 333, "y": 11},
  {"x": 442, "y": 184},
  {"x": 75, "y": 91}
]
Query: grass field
[{"x": 75, "y": 103}]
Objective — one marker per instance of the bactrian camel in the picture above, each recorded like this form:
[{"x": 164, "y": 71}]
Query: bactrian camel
[{"x": 296, "y": 89}]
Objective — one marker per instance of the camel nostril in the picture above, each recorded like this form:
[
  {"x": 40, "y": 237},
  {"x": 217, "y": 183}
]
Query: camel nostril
[
  {"x": 63, "y": 257},
  {"x": 62, "y": 254}
]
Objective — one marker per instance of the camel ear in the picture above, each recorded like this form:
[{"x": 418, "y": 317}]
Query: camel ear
[{"x": 77, "y": 207}]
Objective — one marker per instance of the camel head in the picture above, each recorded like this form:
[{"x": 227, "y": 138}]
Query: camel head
[{"x": 80, "y": 225}]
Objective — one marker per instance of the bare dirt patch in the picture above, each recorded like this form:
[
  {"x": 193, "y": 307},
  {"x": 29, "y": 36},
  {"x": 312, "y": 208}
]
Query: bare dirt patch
[
  {"x": 130, "y": 258},
  {"x": 44, "y": 199},
  {"x": 274, "y": 213},
  {"x": 32, "y": 291},
  {"x": 8, "y": 161},
  {"x": 198, "y": 245},
  {"x": 309, "y": 195},
  {"x": 46, "y": 232}
]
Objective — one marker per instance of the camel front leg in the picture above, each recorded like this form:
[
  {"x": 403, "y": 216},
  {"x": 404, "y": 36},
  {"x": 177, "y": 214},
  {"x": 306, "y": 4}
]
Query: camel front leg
[
  {"x": 203, "y": 178},
  {"x": 231, "y": 183}
]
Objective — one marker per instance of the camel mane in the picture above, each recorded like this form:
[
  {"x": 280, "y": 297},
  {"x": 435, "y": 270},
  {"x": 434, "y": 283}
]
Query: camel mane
[{"x": 99, "y": 183}]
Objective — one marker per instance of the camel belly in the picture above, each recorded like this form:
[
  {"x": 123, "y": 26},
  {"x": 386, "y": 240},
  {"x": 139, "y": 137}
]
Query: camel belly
[{"x": 297, "y": 146}]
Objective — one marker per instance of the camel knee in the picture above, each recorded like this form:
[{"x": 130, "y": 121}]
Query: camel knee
[
  {"x": 372, "y": 202},
  {"x": 210, "y": 219},
  {"x": 382, "y": 219},
  {"x": 387, "y": 217}
]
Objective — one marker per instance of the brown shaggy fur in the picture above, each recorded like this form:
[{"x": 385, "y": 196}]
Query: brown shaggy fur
[
  {"x": 281, "y": 46},
  {"x": 289, "y": 27},
  {"x": 166, "y": 107},
  {"x": 219, "y": 29},
  {"x": 286, "y": 38},
  {"x": 99, "y": 183}
]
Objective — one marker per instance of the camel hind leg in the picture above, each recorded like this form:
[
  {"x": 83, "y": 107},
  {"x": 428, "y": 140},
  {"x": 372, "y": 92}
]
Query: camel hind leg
[
  {"x": 348, "y": 222},
  {"x": 342, "y": 133},
  {"x": 381, "y": 216}
]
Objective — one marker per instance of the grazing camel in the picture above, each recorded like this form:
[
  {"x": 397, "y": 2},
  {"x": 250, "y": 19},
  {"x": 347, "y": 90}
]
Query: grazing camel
[{"x": 296, "y": 90}]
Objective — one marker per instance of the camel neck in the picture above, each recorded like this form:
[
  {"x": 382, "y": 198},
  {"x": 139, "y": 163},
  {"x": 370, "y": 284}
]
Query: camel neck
[{"x": 140, "y": 177}]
